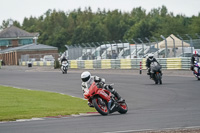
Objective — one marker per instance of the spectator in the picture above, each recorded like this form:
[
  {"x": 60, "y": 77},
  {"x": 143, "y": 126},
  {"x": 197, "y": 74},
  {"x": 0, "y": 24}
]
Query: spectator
[{"x": 114, "y": 55}]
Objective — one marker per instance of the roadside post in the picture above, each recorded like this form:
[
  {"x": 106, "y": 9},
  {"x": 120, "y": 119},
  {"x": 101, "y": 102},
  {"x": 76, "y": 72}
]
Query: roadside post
[
  {"x": 140, "y": 67},
  {"x": 0, "y": 63}
]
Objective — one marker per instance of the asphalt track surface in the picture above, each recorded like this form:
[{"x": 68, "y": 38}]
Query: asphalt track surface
[{"x": 175, "y": 104}]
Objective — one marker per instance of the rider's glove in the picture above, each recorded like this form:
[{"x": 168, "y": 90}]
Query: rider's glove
[
  {"x": 86, "y": 93},
  {"x": 97, "y": 79},
  {"x": 108, "y": 87}
]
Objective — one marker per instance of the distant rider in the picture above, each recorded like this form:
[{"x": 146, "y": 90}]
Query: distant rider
[
  {"x": 87, "y": 81},
  {"x": 63, "y": 58},
  {"x": 195, "y": 57},
  {"x": 149, "y": 60}
]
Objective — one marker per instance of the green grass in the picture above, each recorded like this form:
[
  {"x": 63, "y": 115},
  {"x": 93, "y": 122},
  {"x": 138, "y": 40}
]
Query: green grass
[{"x": 24, "y": 104}]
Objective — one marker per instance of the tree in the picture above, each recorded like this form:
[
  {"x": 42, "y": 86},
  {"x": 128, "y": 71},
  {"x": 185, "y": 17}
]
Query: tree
[{"x": 58, "y": 28}]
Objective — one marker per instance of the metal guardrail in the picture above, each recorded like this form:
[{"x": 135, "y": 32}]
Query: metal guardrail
[
  {"x": 37, "y": 63},
  {"x": 167, "y": 63}
]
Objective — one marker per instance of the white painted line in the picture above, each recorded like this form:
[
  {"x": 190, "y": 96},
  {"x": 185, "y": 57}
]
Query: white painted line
[
  {"x": 33, "y": 119},
  {"x": 143, "y": 130},
  {"x": 75, "y": 115}
]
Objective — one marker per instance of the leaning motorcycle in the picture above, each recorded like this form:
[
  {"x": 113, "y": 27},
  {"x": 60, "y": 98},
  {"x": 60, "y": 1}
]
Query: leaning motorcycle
[
  {"x": 196, "y": 71},
  {"x": 104, "y": 101},
  {"x": 155, "y": 72},
  {"x": 64, "y": 67}
]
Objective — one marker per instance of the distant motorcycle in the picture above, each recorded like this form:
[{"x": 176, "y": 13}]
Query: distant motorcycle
[
  {"x": 64, "y": 67},
  {"x": 197, "y": 70},
  {"x": 155, "y": 72},
  {"x": 104, "y": 101}
]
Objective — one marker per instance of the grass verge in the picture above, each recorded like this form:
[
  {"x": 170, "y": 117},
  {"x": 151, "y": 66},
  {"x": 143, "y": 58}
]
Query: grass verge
[{"x": 24, "y": 104}]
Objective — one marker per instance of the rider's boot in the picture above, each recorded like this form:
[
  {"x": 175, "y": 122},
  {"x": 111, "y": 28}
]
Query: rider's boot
[
  {"x": 112, "y": 90},
  {"x": 118, "y": 96},
  {"x": 90, "y": 104}
]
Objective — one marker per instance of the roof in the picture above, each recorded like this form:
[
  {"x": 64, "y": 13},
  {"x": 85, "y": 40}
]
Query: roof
[
  {"x": 170, "y": 43},
  {"x": 30, "y": 47},
  {"x": 15, "y": 32}
]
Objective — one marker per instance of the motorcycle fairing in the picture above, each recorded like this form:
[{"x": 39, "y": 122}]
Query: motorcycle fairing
[{"x": 101, "y": 92}]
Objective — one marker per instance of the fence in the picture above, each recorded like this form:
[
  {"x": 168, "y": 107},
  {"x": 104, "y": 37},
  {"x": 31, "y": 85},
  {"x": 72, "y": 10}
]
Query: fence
[
  {"x": 172, "y": 46},
  {"x": 167, "y": 63}
]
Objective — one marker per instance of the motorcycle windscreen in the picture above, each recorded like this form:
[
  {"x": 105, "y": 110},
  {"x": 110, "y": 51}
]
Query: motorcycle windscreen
[{"x": 155, "y": 66}]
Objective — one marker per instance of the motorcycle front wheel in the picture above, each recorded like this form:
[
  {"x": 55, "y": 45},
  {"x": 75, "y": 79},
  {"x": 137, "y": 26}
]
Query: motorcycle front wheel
[
  {"x": 123, "y": 108},
  {"x": 100, "y": 105},
  {"x": 158, "y": 78}
]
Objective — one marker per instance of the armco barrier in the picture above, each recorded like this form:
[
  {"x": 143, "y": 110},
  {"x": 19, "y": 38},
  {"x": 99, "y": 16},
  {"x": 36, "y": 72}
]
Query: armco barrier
[
  {"x": 174, "y": 63},
  {"x": 73, "y": 64},
  {"x": 89, "y": 64},
  {"x": 186, "y": 63},
  {"x": 163, "y": 62},
  {"x": 81, "y": 64},
  {"x": 97, "y": 63},
  {"x": 106, "y": 64},
  {"x": 135, "y": 63},
  {"x": 37, "y": 63},
  {"x": 167, "y": 63},
  {"x": 125, "y": 63}
]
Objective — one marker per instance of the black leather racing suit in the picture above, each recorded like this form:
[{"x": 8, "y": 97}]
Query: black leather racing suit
[
  {"x": 148, "y": 63},
  {"x": 193, "y": 59}
]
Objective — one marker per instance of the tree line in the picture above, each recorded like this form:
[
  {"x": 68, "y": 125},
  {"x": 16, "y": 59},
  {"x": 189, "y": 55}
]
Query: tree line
[{"x": 59, "y": 28}]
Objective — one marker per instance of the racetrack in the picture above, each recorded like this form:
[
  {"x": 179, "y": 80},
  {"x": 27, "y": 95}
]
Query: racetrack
[{"x": 171, "y": 105}]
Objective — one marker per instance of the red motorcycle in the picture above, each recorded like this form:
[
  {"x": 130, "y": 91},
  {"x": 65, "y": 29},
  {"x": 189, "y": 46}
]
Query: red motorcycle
[{"x": 104, "y": 101}]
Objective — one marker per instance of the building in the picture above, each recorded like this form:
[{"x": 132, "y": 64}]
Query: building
[
  {"x": 17, "y": 45},
  {"x": 13, "y": 56},
  {"x": 14, "y": 37}
]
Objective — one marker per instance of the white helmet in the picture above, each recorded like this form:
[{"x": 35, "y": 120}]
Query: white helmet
[
  {"x": 150, "y": 56},
  {"x": 85, "y": 76},
  {"x": 195, "y": 53}
]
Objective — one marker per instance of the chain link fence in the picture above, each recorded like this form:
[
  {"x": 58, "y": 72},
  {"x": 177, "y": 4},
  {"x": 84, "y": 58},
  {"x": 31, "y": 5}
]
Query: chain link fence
[{"x": 172, "y": 46}]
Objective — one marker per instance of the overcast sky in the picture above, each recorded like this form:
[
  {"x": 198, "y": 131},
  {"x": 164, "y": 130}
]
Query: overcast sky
[{"x": 18, "y": 9}]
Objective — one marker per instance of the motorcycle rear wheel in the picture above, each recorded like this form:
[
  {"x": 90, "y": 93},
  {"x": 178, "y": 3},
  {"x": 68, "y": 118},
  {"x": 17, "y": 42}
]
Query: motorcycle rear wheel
[
  {"x": 159, "y": 78},
  {"x": 156, "y": 78},
  {"x": 102, "y": 109}
]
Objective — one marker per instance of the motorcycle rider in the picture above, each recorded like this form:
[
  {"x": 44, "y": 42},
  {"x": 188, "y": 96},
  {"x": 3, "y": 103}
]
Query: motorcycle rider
[
  {"x": 87, "y": 81},
  {"x": 63, "y": 58},
  {"x": 195, "y": 57},
  {"x": 149, "y": 60}
]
